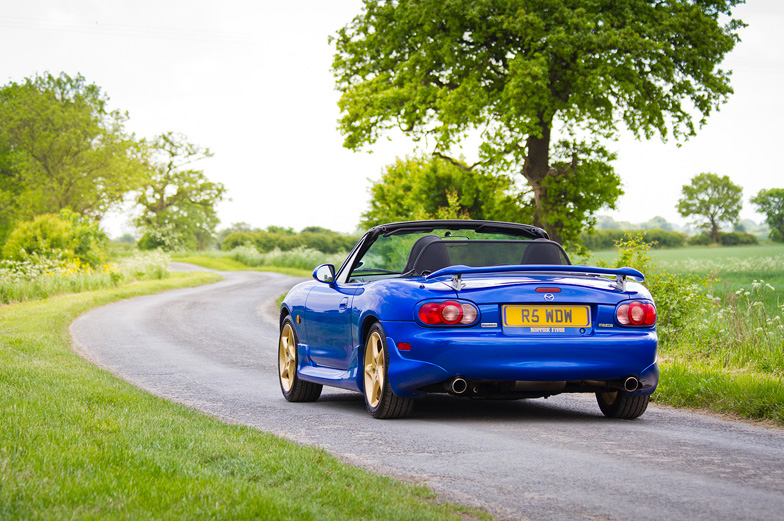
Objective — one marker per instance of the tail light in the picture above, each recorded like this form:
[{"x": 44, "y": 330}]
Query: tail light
[
  {"x": 448, "y": 313},
  {"x": 636, "y": 313}
]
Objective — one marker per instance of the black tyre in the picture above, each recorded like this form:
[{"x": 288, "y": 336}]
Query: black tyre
[
  {"x": 620, "y": 404},
  {"x": 294, "y": 389},
  {"x": 381, "y": 402}
]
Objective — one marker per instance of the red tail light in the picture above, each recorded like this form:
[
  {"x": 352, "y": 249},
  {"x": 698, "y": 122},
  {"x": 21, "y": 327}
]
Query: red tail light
[
  {"x": 449, "y": 313},
  {"x": 636, "y": 313}
]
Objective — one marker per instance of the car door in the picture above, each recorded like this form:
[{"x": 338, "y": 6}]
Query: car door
[{"x": 328, "y": 323}]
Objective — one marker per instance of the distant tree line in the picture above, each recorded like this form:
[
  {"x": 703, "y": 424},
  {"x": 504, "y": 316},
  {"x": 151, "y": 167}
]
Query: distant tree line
[
  {"x": 286, "y": 239},
  {"x": 606, "y": 239}
]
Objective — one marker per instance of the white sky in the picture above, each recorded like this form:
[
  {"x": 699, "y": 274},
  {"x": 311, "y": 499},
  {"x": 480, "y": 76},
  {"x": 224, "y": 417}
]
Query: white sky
[{"x": 251, "y": 81}]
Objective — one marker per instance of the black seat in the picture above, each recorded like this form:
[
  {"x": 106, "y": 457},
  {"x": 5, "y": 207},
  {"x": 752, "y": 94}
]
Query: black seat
[
  {"x": 542, "y": 251},
  {"x": 428, "y": 254}
]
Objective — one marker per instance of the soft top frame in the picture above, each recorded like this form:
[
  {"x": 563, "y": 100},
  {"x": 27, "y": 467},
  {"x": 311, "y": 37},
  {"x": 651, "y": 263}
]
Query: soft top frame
[{"x": 522, "y": 230}]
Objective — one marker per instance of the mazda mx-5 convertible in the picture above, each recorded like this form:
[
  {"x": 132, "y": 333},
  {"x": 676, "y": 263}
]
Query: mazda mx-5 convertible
[{"x": 478, "y": 309}]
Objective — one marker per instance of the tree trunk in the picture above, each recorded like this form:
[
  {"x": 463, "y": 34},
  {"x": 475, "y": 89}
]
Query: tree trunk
[
  {"x": 714, "y": 231},
  {"x": 535, "y": 170}
]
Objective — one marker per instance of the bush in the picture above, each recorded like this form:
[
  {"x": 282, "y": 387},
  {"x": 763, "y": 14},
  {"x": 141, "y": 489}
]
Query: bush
[
  {"x": 703, "y": 239},
  {"x": 67, "y": 236},
  {"x": 166, "y": 238},
  {"x": 725, "y": 239},
  {"x": 655, "y": 238},
  {"x": 677, "y": 297},
  {"x": 737, "y": 239},
  {"x": 302, "y": 258},
  {"x": 267, "y": 241},
  {"x": 236, "y": 239},
  {"x": 658, "y": 238}
]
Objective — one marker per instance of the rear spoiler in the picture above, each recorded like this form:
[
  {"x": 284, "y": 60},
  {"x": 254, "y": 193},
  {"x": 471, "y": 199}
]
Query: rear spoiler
[{"x": 620, "y": 274}]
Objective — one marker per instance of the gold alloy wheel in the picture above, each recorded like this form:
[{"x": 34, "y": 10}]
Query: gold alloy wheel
[
  {"x": 374, "y": 369},
  {"x": 287, "y": 358}
]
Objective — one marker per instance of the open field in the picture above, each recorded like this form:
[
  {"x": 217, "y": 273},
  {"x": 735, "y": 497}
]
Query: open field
[
  {"x": 735, "y": 267},
  {"x": 76, "y": 442},
  {"x": 679, "y": 257}
]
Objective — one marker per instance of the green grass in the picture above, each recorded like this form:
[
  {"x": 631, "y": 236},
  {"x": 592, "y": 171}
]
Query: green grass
[
  {"x": 42, "y": 278},
  {"x": 708, "y": 384},
  {"x": 227, "y": 264},
  {"x": 733, "y": 267},
  {"x": 77, "y": 443}
]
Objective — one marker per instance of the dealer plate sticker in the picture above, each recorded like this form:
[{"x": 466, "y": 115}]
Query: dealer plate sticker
[{"x": 547, "y": 319}]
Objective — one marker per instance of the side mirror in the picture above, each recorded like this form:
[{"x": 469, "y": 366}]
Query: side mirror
[{"x": 325, "y": 273}]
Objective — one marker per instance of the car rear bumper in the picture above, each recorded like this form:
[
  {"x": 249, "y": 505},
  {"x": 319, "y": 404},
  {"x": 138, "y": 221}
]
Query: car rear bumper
[{"x": 437, "y": 355}]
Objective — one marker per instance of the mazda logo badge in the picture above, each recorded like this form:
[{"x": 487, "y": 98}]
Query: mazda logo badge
[{"x": 549, "y": 297}]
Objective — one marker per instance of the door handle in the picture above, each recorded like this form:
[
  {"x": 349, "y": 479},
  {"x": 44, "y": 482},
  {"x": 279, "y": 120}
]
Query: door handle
[{"x": 344, "y": 303}]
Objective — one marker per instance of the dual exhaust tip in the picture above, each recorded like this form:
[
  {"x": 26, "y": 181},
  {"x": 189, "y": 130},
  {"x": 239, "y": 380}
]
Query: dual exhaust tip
[{"x": 459, "y": 385}]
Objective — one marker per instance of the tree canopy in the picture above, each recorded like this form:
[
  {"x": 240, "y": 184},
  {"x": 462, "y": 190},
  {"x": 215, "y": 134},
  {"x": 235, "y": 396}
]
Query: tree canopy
[
  {"x": 713, "y": 200},
  {"x": 518, "y": 70},
  {"x": 62, "y": 148},
  {"x": 434, "y": 188},
  {"x": 178, "y": 203},
  {"x": 771, "y": 203}
]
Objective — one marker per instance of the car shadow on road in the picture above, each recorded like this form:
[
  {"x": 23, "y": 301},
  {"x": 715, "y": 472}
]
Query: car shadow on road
[{"x": 449, "y": 408}]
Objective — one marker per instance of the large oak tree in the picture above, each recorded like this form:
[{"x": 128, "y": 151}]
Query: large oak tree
[{"x": 516, "y": 70}]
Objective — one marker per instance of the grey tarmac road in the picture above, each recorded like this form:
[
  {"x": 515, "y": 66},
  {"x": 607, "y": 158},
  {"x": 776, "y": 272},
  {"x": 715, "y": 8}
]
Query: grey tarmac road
[{"x": 214, "y": 348}]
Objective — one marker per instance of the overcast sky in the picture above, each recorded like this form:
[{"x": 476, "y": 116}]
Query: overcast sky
[{"x": 251, "y": 81}]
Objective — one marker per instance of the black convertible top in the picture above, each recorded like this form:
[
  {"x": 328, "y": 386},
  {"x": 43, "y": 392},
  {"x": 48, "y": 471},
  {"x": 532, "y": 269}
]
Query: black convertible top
[{"x": 523, "y": 230}]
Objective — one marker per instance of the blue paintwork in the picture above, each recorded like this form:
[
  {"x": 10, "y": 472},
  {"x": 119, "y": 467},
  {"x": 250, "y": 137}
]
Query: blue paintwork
[{"x": 334, "y": 319}]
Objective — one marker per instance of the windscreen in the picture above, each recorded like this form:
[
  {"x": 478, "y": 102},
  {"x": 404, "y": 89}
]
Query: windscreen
[{"x": 411, "y": 254}]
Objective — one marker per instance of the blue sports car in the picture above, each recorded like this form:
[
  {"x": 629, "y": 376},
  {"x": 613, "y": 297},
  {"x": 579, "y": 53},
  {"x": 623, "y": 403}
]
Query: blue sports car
[{"x": 478, "y": 309}]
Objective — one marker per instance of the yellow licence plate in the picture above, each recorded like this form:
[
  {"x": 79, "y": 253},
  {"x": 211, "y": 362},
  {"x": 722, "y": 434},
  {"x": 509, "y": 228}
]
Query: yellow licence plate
[{"x": 547, "y": 316}]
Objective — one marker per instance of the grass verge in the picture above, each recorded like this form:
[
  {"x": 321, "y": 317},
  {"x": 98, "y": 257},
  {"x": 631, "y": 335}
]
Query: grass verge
[
  {"x": 77, "y": 443},
  {"x": 228, "y": 264},
  {"x": 707, "y": 385}
]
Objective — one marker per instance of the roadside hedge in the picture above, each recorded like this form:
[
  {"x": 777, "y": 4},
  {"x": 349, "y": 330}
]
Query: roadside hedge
[
  {"x": 654, "y": 238},
  {"x": 265, "y": 241}
]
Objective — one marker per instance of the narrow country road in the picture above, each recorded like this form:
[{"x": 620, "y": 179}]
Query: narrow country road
[{"x": 214, "y": 348}]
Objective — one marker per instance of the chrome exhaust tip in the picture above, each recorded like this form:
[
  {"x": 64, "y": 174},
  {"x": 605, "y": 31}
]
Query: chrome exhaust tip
[
  {"x": 631, "y": 384},
  {"x": 458, "y": 385}
]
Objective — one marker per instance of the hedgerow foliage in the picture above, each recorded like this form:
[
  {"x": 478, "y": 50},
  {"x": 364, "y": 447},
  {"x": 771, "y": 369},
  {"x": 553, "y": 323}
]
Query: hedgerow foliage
[
  {"x": 654, "y": 238},
  {"x": 322, "y": 240},
  {"x": 66, "y": 236},
  {"x": 678, "y": 297}
]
